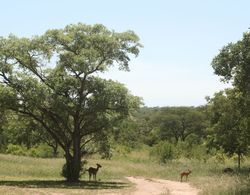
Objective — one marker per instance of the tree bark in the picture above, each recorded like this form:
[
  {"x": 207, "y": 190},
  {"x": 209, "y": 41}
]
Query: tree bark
[
  {"x": 76, "y": 157},
  {"x": 55, "y": 148},
  {"x": 73, "y": 161},
  {"x": 72, "y": 168},
  {"x": 239, "y": 159}
]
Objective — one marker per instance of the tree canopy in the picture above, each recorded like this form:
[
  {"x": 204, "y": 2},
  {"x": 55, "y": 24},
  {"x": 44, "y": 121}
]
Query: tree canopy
[
  {"x": 233, "y": 116},
  {"x": 229, "y": 127},
  {"x": 179, "y": 122},
  {"x": 233, "y": 64}
]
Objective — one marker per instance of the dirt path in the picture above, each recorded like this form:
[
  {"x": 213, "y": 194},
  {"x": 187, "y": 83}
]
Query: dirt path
[
  {"x": 142, "y": 186},
  {"x": 160, "y": 186}
]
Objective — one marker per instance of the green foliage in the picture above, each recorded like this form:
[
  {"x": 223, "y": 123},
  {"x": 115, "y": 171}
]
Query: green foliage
[
  {"x": 65, "y": 172},
  {"x": 233, "y": 116},
  {"x": 41, "y": 150},
  {"x": 68, "y": 99},
  {"x": 191, "y": 151},
  {"x": 229, "y": 126},
  {"x": 16, "y": 150},
  {"x": 21, "y": 130},
  {"x": 232, "y": 64},
  {"x": 163, "y": 151},
  {"x": 123, "y": 149},
  {"x": 127, "y": 133},
  {"x": 65, "y": 169},
  {"x": 105, "y": 149},
  {"x": 153, "y": 137},
  {"x": 219, "y": 158},
  {"x": 177, "y": 123},
  {"x": 235, "y": 158}
]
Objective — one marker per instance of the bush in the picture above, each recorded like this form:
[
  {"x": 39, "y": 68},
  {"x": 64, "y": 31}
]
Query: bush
[
  {"x": 200, "y": 152},
  {"x": 123, "y": 150},
  {"x": 188, "y": 150},
  {"x": 192, "y": 140},
  {"x": 219, "y": 158},
  {"x": 105, "y": 150},
  {"x": 65, "y": 172},
  {"x": 163, "y": 151},
  {"x": 41, "y": 150},
  {"x": 16, "y": 150}
]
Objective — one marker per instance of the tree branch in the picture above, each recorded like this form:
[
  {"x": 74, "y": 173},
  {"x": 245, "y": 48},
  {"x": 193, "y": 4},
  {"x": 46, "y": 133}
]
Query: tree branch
[
  {"x": 83, "y": 144},
  {"x": 53, "y": 134}
]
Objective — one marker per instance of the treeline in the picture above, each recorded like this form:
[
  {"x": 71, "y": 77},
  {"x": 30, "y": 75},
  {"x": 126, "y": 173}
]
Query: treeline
[
  {"x": 203, "y": 132},
  {"x": 150, "y": 126},
  {"x": 216, "y": 129}
]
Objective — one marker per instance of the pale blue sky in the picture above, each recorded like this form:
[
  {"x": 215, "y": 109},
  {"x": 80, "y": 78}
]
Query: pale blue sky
[{"x": 180, "y": 39}]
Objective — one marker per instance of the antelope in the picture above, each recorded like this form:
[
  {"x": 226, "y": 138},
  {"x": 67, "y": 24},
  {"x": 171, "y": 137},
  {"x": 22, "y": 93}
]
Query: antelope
[
  {"x": 93, "y": 171},
  {"x": 185, "y": 173}
]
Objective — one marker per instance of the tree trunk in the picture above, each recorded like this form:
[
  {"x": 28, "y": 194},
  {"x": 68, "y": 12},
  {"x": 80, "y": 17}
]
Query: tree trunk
[
  {"x": 73, "y": 161},
  {"x": 239, "y": 158},
  {"x": 77, "y": 157},
  {"x": 73, "y": 167},
  {"x": 55, "y": 148}
]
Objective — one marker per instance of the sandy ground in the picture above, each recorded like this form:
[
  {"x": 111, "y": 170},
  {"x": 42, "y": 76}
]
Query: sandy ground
[
  {"x": 159, "y": 187},
  {"x": 142, "y": 186}
]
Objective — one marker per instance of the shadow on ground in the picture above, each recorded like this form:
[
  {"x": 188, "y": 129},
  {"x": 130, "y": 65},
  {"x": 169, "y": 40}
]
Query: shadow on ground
[{"x": 62, "y": 184}]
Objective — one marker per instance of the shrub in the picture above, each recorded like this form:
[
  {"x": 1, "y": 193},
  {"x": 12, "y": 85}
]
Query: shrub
[
  {"x": 16, "y": 150},
  {"x": 105, "y": 150},
  {"x": 65, "y": 172},
  {"x": 163, "y": 151},
  {"x": 42, "y": 151},
  {"x": 123, "y": 150},
  {"x": 219, "y": 158},
  {"x": 191, "y": 150},
  {"x": 199, "y": 152}
]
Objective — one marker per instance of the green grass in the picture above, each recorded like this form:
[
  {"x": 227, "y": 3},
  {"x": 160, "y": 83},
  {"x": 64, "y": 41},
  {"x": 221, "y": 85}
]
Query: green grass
[
  {"x": 19, "y": 175},
  {"x": 17, "y": 167}
]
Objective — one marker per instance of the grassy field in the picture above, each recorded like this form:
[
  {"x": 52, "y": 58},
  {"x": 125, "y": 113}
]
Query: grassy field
[{"x": 25, "y": 175}]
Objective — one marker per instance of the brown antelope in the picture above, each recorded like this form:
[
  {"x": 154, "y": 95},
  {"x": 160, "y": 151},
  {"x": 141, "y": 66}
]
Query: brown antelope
[
  {"x": 93, "y": 171},
  {"x": 185, "y": 173}
]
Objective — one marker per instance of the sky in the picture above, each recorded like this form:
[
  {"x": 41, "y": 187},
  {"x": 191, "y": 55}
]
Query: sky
[{"x": 180, "y": 39}]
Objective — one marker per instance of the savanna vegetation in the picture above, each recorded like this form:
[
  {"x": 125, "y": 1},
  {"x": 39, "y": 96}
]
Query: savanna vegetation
[{"x": 55, "y": 109}]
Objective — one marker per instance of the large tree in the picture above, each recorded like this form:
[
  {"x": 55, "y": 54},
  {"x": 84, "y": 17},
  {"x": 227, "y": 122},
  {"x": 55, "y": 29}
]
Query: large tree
[
  {"x": 233, "y": 64},
  {"x": 53, "y": 78},
  {"x": 228, "y": 123},
  {"x": 179, "y": 122}
]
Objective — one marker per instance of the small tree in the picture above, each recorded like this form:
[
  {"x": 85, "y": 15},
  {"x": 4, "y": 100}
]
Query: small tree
[{"x": 68, "y": 99}]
